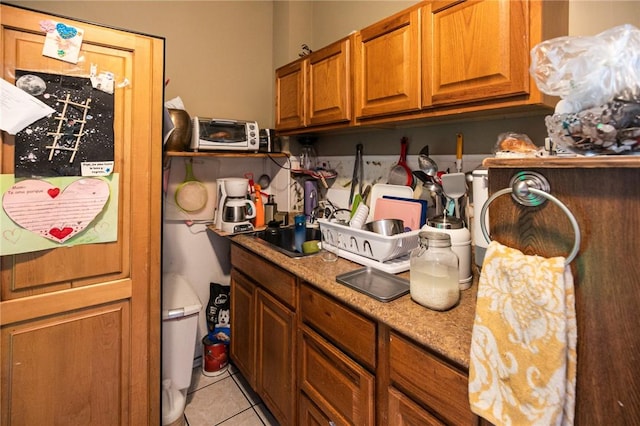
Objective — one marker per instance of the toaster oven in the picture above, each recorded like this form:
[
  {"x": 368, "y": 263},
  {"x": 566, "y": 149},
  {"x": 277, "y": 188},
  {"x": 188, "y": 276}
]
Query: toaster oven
[{"x": 215, "y": 134}]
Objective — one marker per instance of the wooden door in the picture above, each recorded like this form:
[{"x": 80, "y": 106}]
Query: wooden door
[
  {"x": 81, "y": 325},
  {"x": 290, "y": 93},
  {"x": 474, "y": 50},
  {"x": 387, "y": 66},
  {"x": 329, "y": 84}
]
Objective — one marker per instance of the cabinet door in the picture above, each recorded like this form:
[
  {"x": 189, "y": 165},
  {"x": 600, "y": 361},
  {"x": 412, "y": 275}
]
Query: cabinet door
[
  {"x": 387, "y": 66},
  {"x": 430, "y": 381},
  {"x": 340, "y": 387},
  {"x": 329, "y": 84},
  {"x": 49, "y": 284},
  {"x": 475, "y": 50},
  {"x": 290, "y": 93},
  {"x": 275, "y": 355},
  {"x": 404, "y": 412},
  {"x": 310, "y": 415},
  {"x": 242, "y": 347}
]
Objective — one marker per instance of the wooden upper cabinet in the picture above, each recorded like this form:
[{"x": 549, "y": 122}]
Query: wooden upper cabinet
[
  {"x": 290, "y": 82},
  {"x": 329, "y": 84},
  {"x": 387, "y": 66},
  {"x": 474, "y": 50},
  {"x": 315, "y": 90}
]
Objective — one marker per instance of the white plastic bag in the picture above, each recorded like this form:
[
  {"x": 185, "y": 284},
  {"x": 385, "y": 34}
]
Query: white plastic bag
[{"x": 589, "y": 71}]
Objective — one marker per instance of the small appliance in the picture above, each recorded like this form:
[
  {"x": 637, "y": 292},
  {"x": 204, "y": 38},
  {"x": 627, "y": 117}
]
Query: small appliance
[
  {"x": 234, "y": 208},
  {"x": 480, "y": 196},
  {"x": 460, "y": 244},
  {"x": 217, "y": 134}
]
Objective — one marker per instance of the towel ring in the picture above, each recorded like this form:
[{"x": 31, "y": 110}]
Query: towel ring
[{"x": 531, "y": 189}]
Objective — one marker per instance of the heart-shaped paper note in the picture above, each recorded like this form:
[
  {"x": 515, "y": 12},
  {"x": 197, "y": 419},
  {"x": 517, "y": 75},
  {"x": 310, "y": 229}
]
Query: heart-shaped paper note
[
  {"x": 53, "y": 213},
  {"x": 65, "y": 31}
]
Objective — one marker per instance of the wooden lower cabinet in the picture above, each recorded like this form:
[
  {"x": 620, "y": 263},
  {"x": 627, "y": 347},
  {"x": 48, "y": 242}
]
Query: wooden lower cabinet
[
  {"x": 342, "y": 389},
  {"x": 310, "y": 415},
  {"x": 263, "y": 346},
  {"x": 275, "y": 356},
  {"x": 404, "y": 412},
  {"x": 429, "y": 381},
  {"x": 316, "y": 361}
]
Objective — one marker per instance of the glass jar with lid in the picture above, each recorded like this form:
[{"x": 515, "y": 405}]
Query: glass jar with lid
[{"x": 433, "y": 273}]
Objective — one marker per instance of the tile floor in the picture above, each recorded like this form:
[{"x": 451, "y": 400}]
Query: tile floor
[{"x": 225, "y": 400}]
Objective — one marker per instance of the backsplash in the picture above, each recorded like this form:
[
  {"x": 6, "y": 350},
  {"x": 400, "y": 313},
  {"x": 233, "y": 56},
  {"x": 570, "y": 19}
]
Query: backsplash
[{"x": 376, "y": 170}]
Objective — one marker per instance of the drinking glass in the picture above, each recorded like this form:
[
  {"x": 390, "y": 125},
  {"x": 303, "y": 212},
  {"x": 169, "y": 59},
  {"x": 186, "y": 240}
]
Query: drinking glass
[{"x": 329, "y": 250}]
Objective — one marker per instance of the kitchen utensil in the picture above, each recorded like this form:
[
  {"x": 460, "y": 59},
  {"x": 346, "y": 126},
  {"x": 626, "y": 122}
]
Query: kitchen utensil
[
  {"x": 409, "y": 212},
  {"x": 191, "y": 195},
  {"x": 426, "y": 163},
  {"x": 423, "y": 206},
  {"x": 400, "y": 174},
  {"x": 454, "y": 186},
  {"x": 385, "y": 226},
  {"x": 381, "y": 189},
  {"x": 459, "y": 141},
  {"x": 357, "y": 174},
  {"x": 264, "y": 181}
]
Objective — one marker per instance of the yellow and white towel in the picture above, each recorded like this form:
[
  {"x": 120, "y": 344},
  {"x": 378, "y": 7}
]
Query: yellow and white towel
[{"x": 523, "y": 359}]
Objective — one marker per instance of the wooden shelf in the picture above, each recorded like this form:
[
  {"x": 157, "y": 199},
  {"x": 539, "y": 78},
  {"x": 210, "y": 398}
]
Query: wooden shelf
[
  {"x": 226, "y": 154},
  {"x": 604, "y": 161}
]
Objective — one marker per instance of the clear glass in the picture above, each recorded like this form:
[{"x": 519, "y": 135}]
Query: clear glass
[
  {"x": 433, "y": 276},
  {"x": 329, "y": 251}
]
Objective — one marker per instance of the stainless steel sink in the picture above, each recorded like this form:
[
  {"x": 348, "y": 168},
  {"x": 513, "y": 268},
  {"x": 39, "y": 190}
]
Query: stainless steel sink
[{"x": 284, "y": 241}]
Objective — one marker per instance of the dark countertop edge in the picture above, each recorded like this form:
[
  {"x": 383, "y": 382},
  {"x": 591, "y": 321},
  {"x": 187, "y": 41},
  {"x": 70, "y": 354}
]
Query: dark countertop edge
[{"x": 447, "y": 334}]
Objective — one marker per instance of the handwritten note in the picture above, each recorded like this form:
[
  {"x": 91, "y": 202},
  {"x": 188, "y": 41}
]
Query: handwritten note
[{"x": 53, "y": 213}]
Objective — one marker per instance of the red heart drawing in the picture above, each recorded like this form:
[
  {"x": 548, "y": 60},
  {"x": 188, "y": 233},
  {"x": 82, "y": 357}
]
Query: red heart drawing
[
  {"x": 60, "y": 233},
  {"x": 53, "y": 213}
]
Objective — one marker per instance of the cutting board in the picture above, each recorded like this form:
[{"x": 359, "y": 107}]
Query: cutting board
[
  {"x": 379, "y": 190},
  {"x": 410, "y": 213},
  {"x": 423, "y": 207}
]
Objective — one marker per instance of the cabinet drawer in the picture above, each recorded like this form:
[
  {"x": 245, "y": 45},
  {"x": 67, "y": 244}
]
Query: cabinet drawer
[
  {"x": 341, "y": 388},
  {"x": 404, "y": 412},
  {"x": 430, "y": 381},
  {"x": 344, "y": 328},
  {"x": 275, "y": 280}
]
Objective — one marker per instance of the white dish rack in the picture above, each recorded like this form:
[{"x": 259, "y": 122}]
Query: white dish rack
[{"x": 367, "y": 244}]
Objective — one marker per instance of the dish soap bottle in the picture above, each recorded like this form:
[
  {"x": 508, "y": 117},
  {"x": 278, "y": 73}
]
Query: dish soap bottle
[{"x": 433, "y": 266}]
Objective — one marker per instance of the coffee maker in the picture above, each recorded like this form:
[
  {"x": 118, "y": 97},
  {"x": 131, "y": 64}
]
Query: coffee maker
[{"x": 234, "y": 208}]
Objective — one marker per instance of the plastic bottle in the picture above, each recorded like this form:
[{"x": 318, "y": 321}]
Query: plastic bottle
[
  {"x": 300, "y": 231},
  {"x": 433, "y": 279},
  {"x": 259, "y": 220}
]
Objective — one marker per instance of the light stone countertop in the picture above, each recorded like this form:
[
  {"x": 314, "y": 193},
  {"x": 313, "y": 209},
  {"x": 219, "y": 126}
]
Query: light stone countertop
[{"x": 446, "y": 333}]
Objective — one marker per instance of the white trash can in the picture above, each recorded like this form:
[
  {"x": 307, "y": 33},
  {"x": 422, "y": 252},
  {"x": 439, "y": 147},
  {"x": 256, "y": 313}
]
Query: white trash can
[{"x": 180, "y": 309}]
